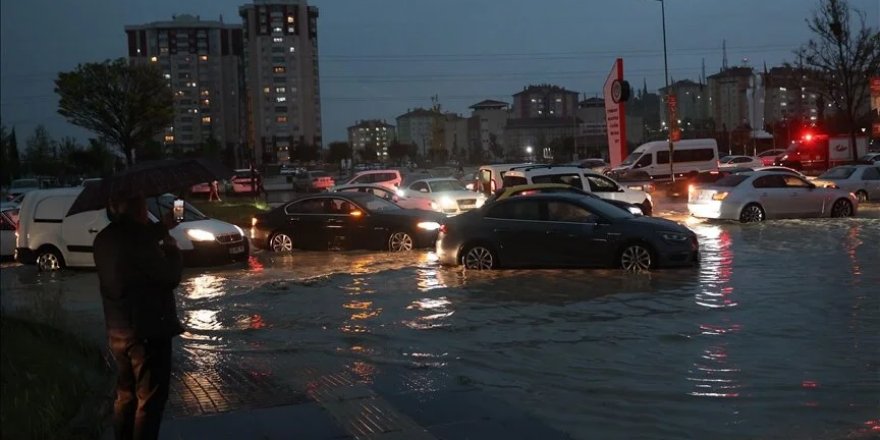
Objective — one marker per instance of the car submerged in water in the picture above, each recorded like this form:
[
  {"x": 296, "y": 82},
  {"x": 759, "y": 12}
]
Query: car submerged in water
[
  {"x": 760, "y": 195},
  {"x": 563, "y": 230}
]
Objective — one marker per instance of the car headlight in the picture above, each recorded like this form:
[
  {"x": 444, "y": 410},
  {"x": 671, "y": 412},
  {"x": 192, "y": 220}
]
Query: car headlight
[
  {"x": 200, "y": 235},
  {"x": 635, "y": 210},
  {"x": 447, "y": 202},
  {"x": 435, "y": 207},
  {"x": 481, "y": 201},
  {"x": 430, "y": 226},
  {"x": 675, "y": 237}
]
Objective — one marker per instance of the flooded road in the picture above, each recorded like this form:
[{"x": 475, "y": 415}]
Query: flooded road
[{"x": 775, "y": 335}]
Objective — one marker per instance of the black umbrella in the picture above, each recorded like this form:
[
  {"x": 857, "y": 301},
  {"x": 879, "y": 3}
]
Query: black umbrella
[{"x": 149, "y": 179}]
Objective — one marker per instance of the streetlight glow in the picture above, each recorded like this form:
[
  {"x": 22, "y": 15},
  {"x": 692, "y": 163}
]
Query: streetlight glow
[{"x": 529, "y": 150}]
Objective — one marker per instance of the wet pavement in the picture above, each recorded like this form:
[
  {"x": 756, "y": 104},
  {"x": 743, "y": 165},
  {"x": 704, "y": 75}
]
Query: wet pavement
[{"x": 775, "y": 335}]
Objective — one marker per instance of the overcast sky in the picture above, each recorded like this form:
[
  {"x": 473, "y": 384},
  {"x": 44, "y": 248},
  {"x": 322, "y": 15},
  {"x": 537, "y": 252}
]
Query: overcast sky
[{"x": 379, "y": 58}]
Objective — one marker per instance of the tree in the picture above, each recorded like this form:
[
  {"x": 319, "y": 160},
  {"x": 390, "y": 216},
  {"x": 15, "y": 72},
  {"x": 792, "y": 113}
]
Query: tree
[
  {"x": 845, "y": 56},
  {"x": 41, "y": 152},
  {"x": 397, "y": 151},
  {"x": 125, "y": 104},
  {"x": 337, "y": 151},
  {"x": 495, "y": 147},
  {"x": 12, "y": 156}
]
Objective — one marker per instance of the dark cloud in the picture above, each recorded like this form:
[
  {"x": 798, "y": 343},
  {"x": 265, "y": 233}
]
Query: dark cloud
[{"x": 380, "y": 57}]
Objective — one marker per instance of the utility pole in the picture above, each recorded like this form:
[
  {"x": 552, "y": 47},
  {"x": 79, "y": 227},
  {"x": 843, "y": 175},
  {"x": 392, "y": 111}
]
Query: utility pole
[{"x": 672, "y": 124}]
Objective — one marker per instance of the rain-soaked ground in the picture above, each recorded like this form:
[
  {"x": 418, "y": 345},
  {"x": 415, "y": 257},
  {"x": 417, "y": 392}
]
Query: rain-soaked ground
[{"x": 775, "y": 335}]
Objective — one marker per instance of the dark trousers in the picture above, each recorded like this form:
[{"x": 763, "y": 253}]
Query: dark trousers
[{"x": 141, "y": 387}]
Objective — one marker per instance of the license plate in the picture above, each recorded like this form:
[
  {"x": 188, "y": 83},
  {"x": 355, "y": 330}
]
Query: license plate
[
  {"x": 236, "y": 250},
  {"x": 467, "y": 206}
]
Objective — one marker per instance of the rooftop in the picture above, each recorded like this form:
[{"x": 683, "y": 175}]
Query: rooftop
[
  {"x": 685, "y": 83},
  {"x": 489, "y": 104},
  {"x": 544, "y": 88},
  {"x": 733, "y": 72},
  {"x": 420, "y": 112},
  {"x": 184, "y": 21},
  {"x": 371, "y": 123}
]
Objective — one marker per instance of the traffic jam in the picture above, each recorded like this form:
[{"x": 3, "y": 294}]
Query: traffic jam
[{"x": 580, "y": 214}]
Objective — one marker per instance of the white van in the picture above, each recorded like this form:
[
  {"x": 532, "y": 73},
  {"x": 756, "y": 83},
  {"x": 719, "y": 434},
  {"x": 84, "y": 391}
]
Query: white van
[
  {"x": 52, "y": 240},
  {"x": 690, "y": 155},
  {"x": 583, "y": 179},
  {"x": 490, "y": 178}
]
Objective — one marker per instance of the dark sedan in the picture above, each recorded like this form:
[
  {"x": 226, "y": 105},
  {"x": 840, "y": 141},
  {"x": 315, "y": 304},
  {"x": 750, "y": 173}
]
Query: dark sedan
[
  {"x": 344, "y": 221},
  {"x": 557, "y": 230}
]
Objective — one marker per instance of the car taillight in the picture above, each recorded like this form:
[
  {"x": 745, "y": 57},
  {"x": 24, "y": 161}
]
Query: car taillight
[{"x": 443, "y": 229}]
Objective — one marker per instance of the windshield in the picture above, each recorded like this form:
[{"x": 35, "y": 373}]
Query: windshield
[
  {"x": 731, "y": 180},
  {"x": 838, "y": 173},
  {"x": 632, "y": 158},
  {"x": 379, "y": 205},
  {"x": 24, "y": 183},
  {"x": 606, "y": 209},
  {"x": 446, "y": 185},
  {"x": 161, "y": 206}
]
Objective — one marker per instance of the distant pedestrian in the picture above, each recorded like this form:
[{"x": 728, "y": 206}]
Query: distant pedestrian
[
  {"x": 137, "y": 278},
  {"x": 215, "y": 192}
]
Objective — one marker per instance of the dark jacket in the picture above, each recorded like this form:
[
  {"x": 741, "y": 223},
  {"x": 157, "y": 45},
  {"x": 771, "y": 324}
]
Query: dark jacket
[{"x": 137, "y": 279}]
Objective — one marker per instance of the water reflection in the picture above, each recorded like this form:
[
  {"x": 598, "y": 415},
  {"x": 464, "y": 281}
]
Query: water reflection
[
  {"x": 435, "y": 313},
  {"x": 204, "y": 286}
]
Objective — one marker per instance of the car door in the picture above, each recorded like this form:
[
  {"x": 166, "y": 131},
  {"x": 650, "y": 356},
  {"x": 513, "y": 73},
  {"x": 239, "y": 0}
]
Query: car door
[
  {"x": 871, "y": 182},
  {"x": 78, "y": 234},
  {"x": 7, "y": 234},
  {"x": 573, "y": 238},
  {"x": 804, "y": 199},
  {"x": 607, "y": 189},
  {"x": 304, "y": 222},
  {"x": 518, "y": 230},
  {"x": 338, "y": 225},
  {"x": 773, "y": 196}
]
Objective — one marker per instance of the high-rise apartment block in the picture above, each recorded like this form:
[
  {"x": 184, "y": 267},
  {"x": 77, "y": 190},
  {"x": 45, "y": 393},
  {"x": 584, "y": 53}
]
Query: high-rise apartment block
[
  {"x": 281, "y": 73},
  {"x": 201, "y": 60},
  {"x": 372, "y": 133}
]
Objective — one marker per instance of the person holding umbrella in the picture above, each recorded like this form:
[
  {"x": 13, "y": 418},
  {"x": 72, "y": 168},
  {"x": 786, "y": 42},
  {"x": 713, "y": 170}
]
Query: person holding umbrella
[{"x": 137, "y": 276}]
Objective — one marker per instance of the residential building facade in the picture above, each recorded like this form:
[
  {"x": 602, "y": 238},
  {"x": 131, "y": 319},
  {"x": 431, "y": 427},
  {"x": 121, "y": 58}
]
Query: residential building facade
[
  {"x": 201, "y": 61},
  {"x": 692, "y": 101},
  {"x": 792, "y": 94},
  {"x": 540, "y": 115},
  {"x": 728, "y": 101},
  {"x": 418, "y": 126},
  {"x": 373, "y": 133},
  {"x": 486, "y": 126},
  {"x": 281, "y": 72}
]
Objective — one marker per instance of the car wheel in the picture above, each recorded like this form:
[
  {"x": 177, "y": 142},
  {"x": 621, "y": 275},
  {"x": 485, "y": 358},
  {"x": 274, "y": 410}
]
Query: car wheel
[
  {"x": 636, "y": 257},
  {"x": 479, "y": 258},
  {"x": 842, "y": 208},
  {"x": 281, "y": 242},
  {"x": 862, "y": 196},
  {"x": 751, "y": 213},
  {"x": 49, "y": 260},
  {"x": 400, "y": 242}
]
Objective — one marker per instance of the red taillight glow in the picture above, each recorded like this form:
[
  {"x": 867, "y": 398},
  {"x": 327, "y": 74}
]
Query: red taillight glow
[{"x": 443, "y": 229}]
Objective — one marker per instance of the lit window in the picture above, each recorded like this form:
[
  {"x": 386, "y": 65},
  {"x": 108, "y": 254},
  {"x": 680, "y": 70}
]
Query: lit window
[
  {"x": 167, "y": 76},
  {"x": 206, "y": 119},
  {"x": 290, "y": 19},
  {"x": 203, "y": 58},
  {"x": 266, "y": 90},
  {"x": 277, "y": 40},
  {"x": 292, "y": 49},
  {"x": 154, "y": 59},
  {"x": 206, "y": 102},
  {"x": 281, "y": 99},
  {"x": 169, "y": 138},
  {"x": 290, "y": 29},
  {"x": 205, "y": 93},
  {"x": 281, "y": 118},
  {"x": 280, "y": 89},
  {"x": 279, "y": 69},
  {"x": 276, "y": 29}
]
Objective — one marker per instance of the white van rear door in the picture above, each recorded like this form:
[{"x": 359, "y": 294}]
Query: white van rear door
[{"x": 78, "y": 235}]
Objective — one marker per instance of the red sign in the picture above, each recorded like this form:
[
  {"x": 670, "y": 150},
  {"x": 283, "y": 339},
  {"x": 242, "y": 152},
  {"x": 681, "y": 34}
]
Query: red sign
[
  {"x": 615, "y": 115},
  {"x": 875, "y": 129},
  {"x": 875, "y": 85},
  {"x": 675, "y": 135}
]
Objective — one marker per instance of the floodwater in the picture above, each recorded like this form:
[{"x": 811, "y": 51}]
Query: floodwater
[{"x": 775, "y": 335}]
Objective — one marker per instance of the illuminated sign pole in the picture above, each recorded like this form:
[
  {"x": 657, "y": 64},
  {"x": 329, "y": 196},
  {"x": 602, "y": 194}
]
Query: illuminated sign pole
[
  {"x": 616, "y": 93},
  {"x": 875, "y": 105}
]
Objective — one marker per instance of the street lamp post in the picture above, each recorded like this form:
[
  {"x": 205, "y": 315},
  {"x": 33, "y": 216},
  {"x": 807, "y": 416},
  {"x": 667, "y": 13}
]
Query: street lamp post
[{"x": 666, "y": 76}]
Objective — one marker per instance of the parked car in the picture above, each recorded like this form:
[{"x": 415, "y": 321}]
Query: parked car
[
  {"x": 386, "y": 194},
  {"x": 15, "y": 202},
  {"x": 653, "y": 157},
  {"x": 870, "y": 159},
  {"x": 740, "y": 161},
  {"x": 314, "y": 181},
  {"x": 594, "y": 165},
  {"x": 761, "y": 195},
  {"x": 683, "y": 185},
  {"x": 602, "y": 186},
  {"x": 861, "y": 180},
  {"x": 344, "y": 220},
  {"x": 202, "y": 189},
  {"x": 491, "y": 177},
  {"x": 244, "y": 180},
  {"x": 52, "y": 240},
  {"x": 768, "y": 157},
  {"x": 552, "y": 188},
  {"x": 387, "y": 178},
  {"x": 446, "y": 195},
  {"x": 291, "y": 170},
  {"x": 8, "y": 226},
  {"x": 23, "y": 186},
  {"x": 563, "y": 230}
]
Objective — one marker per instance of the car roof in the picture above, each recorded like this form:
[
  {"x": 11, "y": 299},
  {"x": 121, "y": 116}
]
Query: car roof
[
  {"x": 535, "y": 186},
  {"x": 353, "y": 196},
  {"x": 435, "y": 179},
  {"x": 362, "y": 185},
  {"x": 550, "y": 169},
  {"x": 384, "y": 170}
]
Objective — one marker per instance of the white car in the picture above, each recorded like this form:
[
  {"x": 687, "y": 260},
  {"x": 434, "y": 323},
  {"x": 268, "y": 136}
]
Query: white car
[
  {"x": 8, "y": 225},
  {"x": 727, "y": 162},
  {"x": 870, "y": 158},
  {"x": 769, "y": 156},
  {"x": 388, "y": 178},
  {"x": 761, "y": 195},
  {"x": 595, "y": 165},
  {"x": 861, "y": 180},
  {"x": 446, "y": 195},
  {"x": 602, "y": 186},
  {"x": 388, "y": 194}
]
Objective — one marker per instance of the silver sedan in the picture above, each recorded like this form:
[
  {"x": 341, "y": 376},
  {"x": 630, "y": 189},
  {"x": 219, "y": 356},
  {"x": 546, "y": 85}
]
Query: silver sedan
[
  {"x": 861, "y": 180},
  {"x": 761, "y": 195}
]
